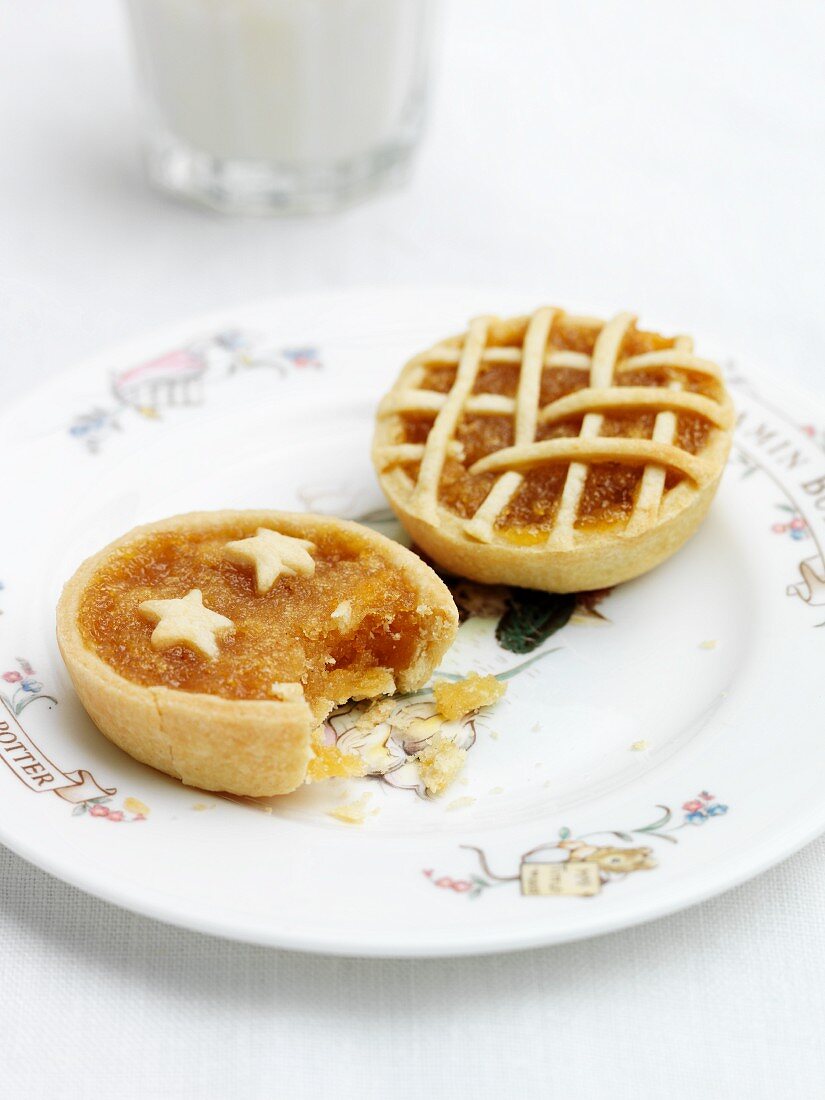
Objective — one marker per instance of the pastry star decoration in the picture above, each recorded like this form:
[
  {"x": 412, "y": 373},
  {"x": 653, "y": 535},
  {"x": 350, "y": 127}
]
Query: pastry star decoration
[
  {"x": 186, "y": 622},
  {"x": 270, "y": 554}
]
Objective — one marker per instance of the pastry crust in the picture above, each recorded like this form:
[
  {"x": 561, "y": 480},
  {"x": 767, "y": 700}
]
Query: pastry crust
[
  {"x": 567, "y": 558},
  {"x": 254, "y": 747}
]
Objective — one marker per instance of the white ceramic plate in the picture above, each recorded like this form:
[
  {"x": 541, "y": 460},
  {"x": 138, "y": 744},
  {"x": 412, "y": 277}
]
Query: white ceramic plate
[{"x": 652, "y": 757}]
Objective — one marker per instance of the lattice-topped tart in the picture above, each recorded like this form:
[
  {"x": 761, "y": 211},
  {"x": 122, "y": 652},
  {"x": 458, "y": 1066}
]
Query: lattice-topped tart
[
  {"x": 552, "y": 451},
  {"x": 212, "y": 645}
]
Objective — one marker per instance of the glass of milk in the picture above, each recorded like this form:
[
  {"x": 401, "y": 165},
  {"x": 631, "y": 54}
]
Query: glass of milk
[{"x": 261, "y": 106}]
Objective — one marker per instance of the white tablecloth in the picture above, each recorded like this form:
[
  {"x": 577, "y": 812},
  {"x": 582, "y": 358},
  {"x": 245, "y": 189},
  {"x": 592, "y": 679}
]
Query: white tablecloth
[{"x": 663, "y": 156}]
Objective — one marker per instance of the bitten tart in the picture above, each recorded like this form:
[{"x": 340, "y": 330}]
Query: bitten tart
[
  {"x": 554, "y": 452},
  {"x": 212, "y": 645}
]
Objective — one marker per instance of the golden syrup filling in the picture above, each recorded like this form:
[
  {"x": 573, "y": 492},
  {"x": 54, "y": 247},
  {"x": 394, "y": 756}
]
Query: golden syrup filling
[
  {"x": 561, "y": 429},
  {"x": 531, "y": 512},
  {"x": 609, "y": 494},
  {"x": 483, "y": 435},
  {"x": 439, "y": 377},
  {"x": 557, "y": 382},
  {"x": 417, "y": 427},
  {"x": 628, "y": 425},
  {"x": 663, "y": 376},
  {"x": 283, "y": 636},
  {"x": 463, "y": 492},
  {"x": 691, "y": 433},
  {"x": 610, "y": 488},
  {"x": 500, "y": 378}
]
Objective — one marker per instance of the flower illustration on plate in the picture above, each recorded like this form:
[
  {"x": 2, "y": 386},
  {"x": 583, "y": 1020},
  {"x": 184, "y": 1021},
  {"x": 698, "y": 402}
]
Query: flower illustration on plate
[
  {"x": 696, "y": 817},
  {"x": 133, "y": 810},
  {"x": 792, "y": 524},
  {"x": 699, "y": 809},
  {"x": 94, "y": 427},
  {"x": 814, "y": 433},
  {"x": 26, "y": 688},
  {"x": 460, "y": 886}
]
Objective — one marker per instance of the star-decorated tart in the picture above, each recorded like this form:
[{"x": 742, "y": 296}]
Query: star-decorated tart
[
  {"x": 212, "y": 645},
  {"x": 554, "y": 452}
]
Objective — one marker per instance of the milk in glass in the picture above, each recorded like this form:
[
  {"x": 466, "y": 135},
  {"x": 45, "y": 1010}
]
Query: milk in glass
[{"x": 281, "y": 104}]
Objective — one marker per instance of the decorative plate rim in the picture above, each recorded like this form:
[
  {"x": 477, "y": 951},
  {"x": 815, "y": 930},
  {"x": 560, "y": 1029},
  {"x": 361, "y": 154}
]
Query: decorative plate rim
[{"x": 434, "y": 942}]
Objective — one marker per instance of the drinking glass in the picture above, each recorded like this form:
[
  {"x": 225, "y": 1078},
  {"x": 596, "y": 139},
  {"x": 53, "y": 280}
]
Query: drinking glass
[{"x": 280, "y": 105}]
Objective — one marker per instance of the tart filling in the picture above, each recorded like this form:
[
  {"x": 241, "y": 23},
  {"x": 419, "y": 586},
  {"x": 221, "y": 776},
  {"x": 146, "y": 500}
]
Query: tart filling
[{"x": 344, "y": 631}]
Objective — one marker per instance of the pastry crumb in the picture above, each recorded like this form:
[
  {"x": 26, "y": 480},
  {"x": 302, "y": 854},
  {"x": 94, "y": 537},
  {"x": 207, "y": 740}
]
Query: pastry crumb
[
  {"x": 535, "y": 728},
  {"x": 440, "y": 763},
  {"x": 455, "y": 700},
  {"x": 494, "y": 735},
  {"x": 329, "y": 762},
  {"x": 460, "y": 803},
  {"x": 287, "y": 692},
  {"x": 343, "y": 613},
  {"x": 639, "y": 746},
  {"x": 135, "y": 806},
  {"x": 352, "y": 813},
  {"x": 376, "y": 713},
  {"x": 496, "y": 790},
  {"x": 260, "y": 804},
  {"x": 199, "y": 807},
  {"x": 711, "y": 643}
]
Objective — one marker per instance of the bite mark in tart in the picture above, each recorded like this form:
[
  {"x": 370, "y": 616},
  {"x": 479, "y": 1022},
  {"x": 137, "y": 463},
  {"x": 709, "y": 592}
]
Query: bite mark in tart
[
  {"x": 554, "y": 452},
  {"x": 247, "y": 665}
]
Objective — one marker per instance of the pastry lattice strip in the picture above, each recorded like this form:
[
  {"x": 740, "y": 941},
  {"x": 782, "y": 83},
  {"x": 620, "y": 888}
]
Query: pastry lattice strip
[
  {"x": 626, "y": 398},
  {"x": 657, "y": 455},
  {"x": 526, "y": 421}
]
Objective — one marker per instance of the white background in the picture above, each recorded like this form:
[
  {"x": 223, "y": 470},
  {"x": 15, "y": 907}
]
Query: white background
[{"x": 666, "y": 157}]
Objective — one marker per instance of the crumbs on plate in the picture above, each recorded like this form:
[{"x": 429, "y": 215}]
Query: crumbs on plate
[
  {"x": 439, "y": 763},
  {"x": 460, "y": 803},
  {"x": 353, "y": 813},
  {"x": 455, "y": 700}
]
